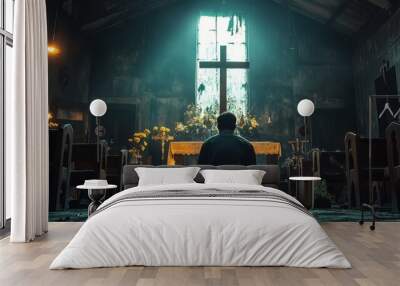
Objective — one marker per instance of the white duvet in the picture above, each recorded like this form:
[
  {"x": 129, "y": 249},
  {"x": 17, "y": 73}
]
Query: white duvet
[{"x": 200, "y": 231}]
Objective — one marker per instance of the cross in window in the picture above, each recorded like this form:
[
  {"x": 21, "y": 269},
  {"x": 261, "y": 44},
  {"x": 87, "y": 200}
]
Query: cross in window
[{"x": 223, "y": 65}]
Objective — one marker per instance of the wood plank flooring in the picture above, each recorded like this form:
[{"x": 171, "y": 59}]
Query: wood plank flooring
[{"x": 375, "y": 257}]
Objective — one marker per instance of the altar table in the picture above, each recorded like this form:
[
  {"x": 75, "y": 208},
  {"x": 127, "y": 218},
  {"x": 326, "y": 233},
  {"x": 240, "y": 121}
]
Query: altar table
[{"x": 187, "y": 148}]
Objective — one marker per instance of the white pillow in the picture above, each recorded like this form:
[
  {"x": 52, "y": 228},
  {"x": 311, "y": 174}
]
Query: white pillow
[
  {"x": 247, "y": 177},
  {"x": 166, "y": 176}
]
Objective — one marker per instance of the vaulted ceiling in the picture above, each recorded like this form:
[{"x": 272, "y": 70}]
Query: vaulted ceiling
[
  {"x": 106, "y": 13},
  {"x": 346, "y": 16},
  {"x": 349, "y": 17}
]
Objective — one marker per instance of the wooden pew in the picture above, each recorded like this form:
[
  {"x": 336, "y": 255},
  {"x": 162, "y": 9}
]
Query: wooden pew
[
  {"x": 357, "y": 166},
  {"x": 55, "y": 136},
  {"x": 113, "y": 170},
  {"x": 104, "y": 150},
  {"x": 330, "y": 165},
  {"x": 393, "y": 158},
  {"x": 85, "y": 165},
  {"x": 60, "y": 145}
]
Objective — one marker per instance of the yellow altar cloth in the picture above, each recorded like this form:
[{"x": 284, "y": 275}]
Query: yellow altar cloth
[{"x": 187, "y": 148}]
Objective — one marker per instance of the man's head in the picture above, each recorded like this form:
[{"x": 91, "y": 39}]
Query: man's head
[{"x": 226, "y": 121}]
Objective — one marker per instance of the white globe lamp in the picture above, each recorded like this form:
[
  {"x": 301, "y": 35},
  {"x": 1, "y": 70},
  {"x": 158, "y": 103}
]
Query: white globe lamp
[
  {"x": 305, "y": 108},
  {"x": 98, "y": 108}
]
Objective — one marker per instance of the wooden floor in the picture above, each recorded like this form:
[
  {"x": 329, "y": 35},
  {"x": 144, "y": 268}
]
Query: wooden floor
[{"x": 375, "y": 257}]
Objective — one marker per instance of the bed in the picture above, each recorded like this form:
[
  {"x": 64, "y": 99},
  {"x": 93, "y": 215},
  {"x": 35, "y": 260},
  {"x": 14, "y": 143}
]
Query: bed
[{"x": 199, "y": 224}]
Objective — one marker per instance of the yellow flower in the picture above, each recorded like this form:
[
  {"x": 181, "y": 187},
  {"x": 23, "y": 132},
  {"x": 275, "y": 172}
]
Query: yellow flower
[
  {"x": 147, "y": 131},
  {"x": 179, "y": 127},
  {"x": 137, "y": 139},
  {"x": 253, "y": 123}
]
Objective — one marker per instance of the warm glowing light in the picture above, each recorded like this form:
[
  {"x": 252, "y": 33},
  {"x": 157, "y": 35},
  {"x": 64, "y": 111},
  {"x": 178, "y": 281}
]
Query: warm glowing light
[
  {"x": 53, "y": 50},
  {"x": 51, "y": 122}
]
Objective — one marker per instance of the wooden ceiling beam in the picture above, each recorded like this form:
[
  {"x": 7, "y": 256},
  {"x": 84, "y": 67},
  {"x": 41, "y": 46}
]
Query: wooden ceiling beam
[
  {"x": 372, "y": 26},
  {"x": 384, "y": 4},
  {"x": 339, "y": 11},
  {"x": 125, "y": 13}
]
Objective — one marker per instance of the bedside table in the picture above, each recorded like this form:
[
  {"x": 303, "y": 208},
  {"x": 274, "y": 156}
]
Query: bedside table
[
  {"x": 96, "y": 195},
  {"x": 306, "y": 194}
]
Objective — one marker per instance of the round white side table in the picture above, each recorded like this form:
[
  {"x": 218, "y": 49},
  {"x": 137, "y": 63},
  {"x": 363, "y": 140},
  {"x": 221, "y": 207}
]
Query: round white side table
[
  {"x": 305, "y": 197},
  {"x": 96, "y": 194}
]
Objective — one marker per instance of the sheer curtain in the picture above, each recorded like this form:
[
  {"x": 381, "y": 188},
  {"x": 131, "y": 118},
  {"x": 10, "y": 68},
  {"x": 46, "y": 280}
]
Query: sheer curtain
[{"x": 26, "y": 124}]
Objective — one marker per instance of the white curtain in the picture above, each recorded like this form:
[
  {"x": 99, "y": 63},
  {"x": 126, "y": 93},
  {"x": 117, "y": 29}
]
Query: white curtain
[{"x": 26, "y": 124}]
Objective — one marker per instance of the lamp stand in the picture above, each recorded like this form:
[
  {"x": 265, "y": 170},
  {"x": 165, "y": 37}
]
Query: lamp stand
[
  {"x": 305, "y": 136},
  {"x": 98, "y": 138},
  {"x": 307, "y": 133}
]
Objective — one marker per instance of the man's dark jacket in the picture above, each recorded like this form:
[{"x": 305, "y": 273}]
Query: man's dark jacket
[{"x": 227, "y": 149}]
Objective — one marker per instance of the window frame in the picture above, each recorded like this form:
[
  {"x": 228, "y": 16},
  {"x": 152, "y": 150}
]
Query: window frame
[
  {"x": 6, "y": 39},
  {"x": 217, "y": 44}
]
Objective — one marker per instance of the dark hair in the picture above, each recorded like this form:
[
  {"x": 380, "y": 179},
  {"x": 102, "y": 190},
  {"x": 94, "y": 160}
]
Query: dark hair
[{"x": 226, "y": 121}]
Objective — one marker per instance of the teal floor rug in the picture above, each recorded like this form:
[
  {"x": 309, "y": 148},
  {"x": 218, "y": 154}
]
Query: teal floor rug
[
  {"x": 322, "y": 215},
  {"x": 337, "y": 215},
  {"x": 69, "y": 215}
]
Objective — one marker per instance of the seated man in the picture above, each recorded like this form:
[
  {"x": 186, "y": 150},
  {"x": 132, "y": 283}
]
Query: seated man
[{"x": 226, "y": 148}]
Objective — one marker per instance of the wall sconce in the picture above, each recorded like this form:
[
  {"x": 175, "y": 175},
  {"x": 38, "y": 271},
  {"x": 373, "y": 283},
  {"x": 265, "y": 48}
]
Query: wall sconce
[{"x": 53, "y": 50}]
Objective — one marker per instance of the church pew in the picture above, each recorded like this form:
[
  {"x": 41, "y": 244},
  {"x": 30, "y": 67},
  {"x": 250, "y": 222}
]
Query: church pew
[
  {"x": 104, "y": 150},
  {"x": 85, "y": 165},
  {"x": 60, "y": 145},
  {"x": 393, "y": 156},
  {"x": 330, "y": 165},
  {"x": 114, "y": 167},
  {"x": 55, "y": 136},
  {"x": 357, "y": 166},
  {"x": 124, "y": 162}
]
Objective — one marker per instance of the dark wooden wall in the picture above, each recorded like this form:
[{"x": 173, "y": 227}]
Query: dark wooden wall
[
  {"x": 384, "y": 44},
  {"x": 147, "y": 65}
]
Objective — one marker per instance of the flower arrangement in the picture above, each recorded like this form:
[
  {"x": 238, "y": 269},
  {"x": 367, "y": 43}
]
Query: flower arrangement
[
  {"x": 198, "y": 123},
  {"x": 161, "y": 133},
  {"x": 139, "y": 143},
  {"x": 248, "y": 125}
]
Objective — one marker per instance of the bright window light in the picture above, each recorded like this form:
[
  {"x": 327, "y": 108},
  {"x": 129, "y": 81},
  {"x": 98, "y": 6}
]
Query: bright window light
[{"x": 213, "y": 32}]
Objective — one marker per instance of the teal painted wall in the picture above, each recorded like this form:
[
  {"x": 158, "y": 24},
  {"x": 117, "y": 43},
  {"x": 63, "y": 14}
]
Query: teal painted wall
[
  {"x": 145, "y": 69},
  {"x": 150, "y": 61}
]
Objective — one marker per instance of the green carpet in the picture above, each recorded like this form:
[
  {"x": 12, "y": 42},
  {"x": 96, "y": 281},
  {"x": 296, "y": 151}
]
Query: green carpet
[
  {"x": 69, "y": 215},
  {"x": 332, "y": 215},
  {"x": 322, "y": 215}
]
